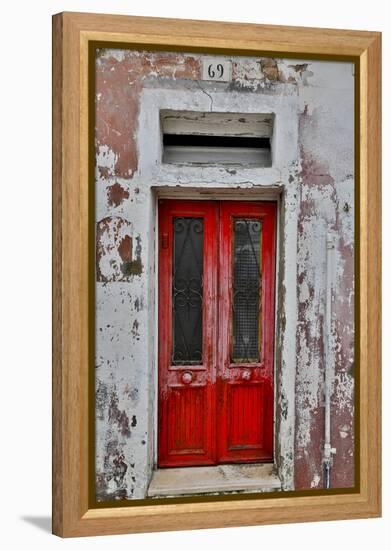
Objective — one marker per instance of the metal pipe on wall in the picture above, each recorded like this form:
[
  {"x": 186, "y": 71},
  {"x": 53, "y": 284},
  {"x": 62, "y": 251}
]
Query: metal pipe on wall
[{"x": 328, "y": 450}]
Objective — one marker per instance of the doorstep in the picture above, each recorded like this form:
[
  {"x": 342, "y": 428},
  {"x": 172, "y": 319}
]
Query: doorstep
[{"x": 214, "y": 479}]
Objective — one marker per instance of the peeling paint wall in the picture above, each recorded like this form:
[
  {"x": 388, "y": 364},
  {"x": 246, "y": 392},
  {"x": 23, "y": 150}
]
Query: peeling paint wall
[
  {"x": 312, "y": 173},
  {"x": 326, "y": 131}
]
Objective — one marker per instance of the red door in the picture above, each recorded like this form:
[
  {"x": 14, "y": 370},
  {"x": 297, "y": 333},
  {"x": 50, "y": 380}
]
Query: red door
[{"x": 216, "y": 332}]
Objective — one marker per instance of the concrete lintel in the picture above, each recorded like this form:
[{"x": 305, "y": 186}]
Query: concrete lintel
[{"x": 213, "y": 193}]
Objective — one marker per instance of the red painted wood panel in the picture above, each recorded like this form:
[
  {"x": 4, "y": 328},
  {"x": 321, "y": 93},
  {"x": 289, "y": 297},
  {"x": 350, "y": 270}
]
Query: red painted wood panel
[
  {"x": 186, "y": 427},
  {"x": 216, "y": 411},
  {"x": 245, "y": 390},
  {"x": 187, "y": 408},
  {"x": 246, "y": 419}
]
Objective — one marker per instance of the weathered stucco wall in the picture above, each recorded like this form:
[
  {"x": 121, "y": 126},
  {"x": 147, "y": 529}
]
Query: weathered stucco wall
[
  {"x": 313, "y": 176},
  {"x": 326, "y": 204}
]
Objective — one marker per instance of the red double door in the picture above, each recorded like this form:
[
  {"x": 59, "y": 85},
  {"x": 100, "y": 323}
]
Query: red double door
[{"x": 216, "y": 332}]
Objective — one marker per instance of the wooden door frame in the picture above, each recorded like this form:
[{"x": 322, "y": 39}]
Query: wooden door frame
[{"x": 284, "y": 199}]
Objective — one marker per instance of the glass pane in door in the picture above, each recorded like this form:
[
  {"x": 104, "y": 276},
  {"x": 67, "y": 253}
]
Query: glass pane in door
[
  {"x": 246, "y": 290},
  {"x": 187, "y": 290}
]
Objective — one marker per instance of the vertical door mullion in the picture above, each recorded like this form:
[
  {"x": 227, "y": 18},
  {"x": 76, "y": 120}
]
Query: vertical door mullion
[{"x": 224, "y": 271}]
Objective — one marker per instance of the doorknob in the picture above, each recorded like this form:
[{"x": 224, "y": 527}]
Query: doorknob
[{"x": 187, "y": 377}]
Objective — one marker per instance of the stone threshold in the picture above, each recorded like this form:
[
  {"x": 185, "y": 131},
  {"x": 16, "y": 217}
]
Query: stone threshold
[{"x": 214, "y": 479}]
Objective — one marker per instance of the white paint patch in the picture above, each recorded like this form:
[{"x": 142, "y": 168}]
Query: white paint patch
[
  {"x": 112, "y": 233},
  {"x": 106, "y": 158},
  {"x": 248, "y": 69},
  {"x": 315, "y": 481}
]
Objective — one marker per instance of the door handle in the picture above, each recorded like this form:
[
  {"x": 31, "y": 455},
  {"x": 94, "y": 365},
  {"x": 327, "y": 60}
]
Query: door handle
[{"x": 187, "y": 377}]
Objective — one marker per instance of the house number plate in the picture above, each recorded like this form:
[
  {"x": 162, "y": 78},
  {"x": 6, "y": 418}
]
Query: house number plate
[{"x": 217, "y": 69}]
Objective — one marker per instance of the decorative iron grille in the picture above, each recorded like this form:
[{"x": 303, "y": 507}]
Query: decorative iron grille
[
  {"x": 187, "y": 283},
  {"x": 247, "y": 281}
]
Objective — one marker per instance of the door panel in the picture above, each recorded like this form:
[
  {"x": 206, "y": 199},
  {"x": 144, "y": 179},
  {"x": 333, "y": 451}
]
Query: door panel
[
  {"x": 246, "y": 331},
  {"x": 216, "y": 332},
  {"x": 246, "y": 421},
  {"x": 186, "y": 427},
  {"x": 187, "y": 330}
]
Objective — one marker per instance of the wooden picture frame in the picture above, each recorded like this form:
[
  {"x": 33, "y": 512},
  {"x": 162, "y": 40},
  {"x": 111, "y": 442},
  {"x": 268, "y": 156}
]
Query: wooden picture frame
[{"x": 73, "y": 35}]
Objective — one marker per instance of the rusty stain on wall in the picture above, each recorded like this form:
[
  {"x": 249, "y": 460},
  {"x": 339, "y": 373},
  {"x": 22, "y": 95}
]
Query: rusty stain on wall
[
  {"x": 116, "y": 194},
  {"x": 322, "y": 197},
  {"x": 119, "y": 81},
  {"x": 313, "y": 173},
  {"x": 113, "y": 248}
]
